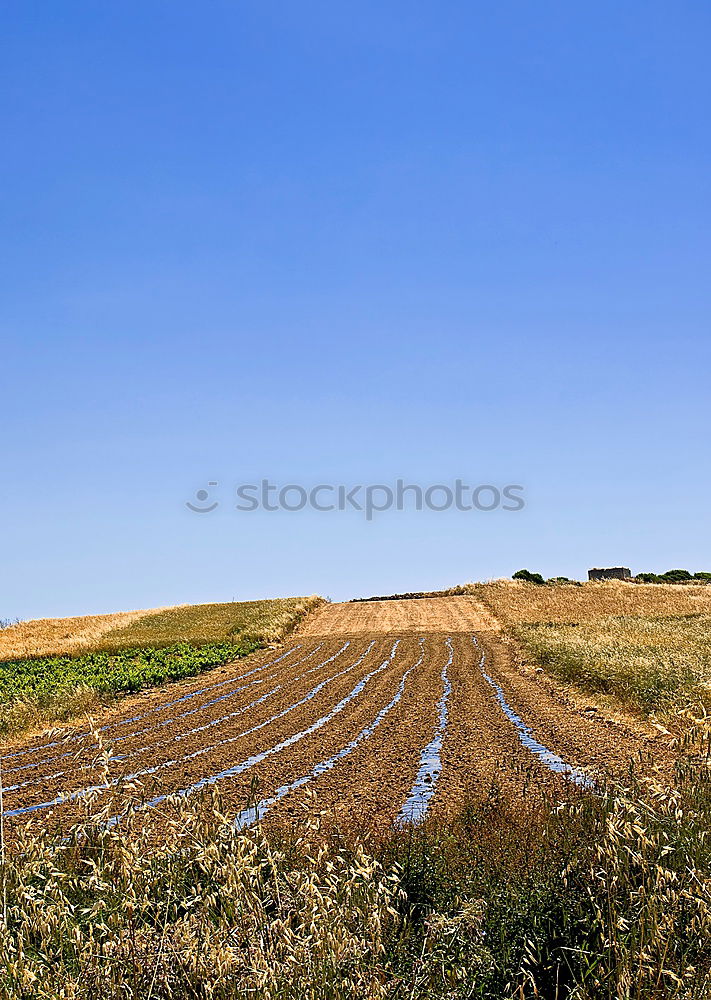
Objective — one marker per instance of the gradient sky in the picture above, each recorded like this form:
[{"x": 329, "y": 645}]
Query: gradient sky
[{"x": 349, "y": 242}]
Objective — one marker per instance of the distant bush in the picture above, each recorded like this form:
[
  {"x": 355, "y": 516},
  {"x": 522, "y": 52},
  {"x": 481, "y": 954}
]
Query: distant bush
[
  {"x": 560, "y": 579},
  {"x": 673, "y": 576},
  {"x": 528, "y": 577},
  {"x": 415, "y": 595},
  {"x": 676, "y": 575}
]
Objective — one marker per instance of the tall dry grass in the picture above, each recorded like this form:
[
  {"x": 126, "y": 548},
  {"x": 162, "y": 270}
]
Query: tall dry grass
[
  {"x": 183, "y": 905},
  {"x": 596, "y": 898},
  {"x": 655, "y": 664}
]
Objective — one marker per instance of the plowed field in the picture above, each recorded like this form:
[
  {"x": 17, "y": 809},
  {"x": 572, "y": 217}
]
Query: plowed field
[{"x": 387, "y": 710}]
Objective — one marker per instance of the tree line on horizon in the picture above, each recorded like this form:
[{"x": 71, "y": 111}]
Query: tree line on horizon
[{"x": 671, "y": 576}]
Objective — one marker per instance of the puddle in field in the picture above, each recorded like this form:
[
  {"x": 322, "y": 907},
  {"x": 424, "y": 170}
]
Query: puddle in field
[
  {"x": 257, "y": 812},
  {"x": 228, "y": 772},
  {"x": 525, "y": 734},
  {"x": 157, "y": 708},
  {"x": 119, "y": 758},
  {"x": 417, "y": 803},
  {"x": 273, "y": 718},
  {"x": 183, "y": 715}
]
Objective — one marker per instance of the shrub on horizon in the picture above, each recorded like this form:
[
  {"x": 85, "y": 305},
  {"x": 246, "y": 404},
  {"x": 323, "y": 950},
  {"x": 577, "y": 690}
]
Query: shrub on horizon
[
  {"x": 528, "y": 577},
  {"x": 676, "y": 575}
]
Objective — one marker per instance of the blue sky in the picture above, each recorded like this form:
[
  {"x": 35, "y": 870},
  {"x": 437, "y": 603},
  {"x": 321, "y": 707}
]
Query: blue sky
[{"x": 348, "y": 243}]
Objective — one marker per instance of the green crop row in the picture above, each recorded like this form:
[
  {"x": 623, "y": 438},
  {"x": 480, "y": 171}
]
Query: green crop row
[
  {"x": 111, "y": 673},
  {"x": 32, "y": 690}
]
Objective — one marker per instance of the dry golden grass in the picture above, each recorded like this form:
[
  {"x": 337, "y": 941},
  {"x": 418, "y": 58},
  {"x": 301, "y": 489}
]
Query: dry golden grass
[
  {"x": 25, "y": 714},
  {"x": 512, "y": 601},
  {"x": 195, "y": 910},
  {"x": 650, "y": 664},
  {"x": 53, "y": 636},
  {"x": 639, "y": 647},
  {"x": 602, "y": 898}
]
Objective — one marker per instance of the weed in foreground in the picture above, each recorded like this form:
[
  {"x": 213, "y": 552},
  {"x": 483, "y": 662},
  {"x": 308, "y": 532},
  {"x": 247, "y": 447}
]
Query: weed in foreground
[{"x": 597, "y": 898}]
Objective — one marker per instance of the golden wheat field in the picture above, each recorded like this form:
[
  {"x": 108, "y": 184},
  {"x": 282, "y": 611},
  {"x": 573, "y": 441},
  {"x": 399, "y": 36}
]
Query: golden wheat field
[
  {"x": 644, "y": 647},
  {"x": 512, "y": 601},
  {"x": 653, "y": 664}
]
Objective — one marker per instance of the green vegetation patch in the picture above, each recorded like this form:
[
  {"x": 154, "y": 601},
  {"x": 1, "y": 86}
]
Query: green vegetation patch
[
  {"x": 45, "y": 678},
  {"x": 649, "y": 663},
  {"x": 166, "y": 646}
]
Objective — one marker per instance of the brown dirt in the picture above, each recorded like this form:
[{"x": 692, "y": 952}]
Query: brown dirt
[
  {"x": 434, "y": 614},
  {"x": 481, "y": 753}
]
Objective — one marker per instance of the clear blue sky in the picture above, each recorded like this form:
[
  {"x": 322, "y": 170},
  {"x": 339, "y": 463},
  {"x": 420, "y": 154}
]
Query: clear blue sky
[{"x": 346, "y": 242}]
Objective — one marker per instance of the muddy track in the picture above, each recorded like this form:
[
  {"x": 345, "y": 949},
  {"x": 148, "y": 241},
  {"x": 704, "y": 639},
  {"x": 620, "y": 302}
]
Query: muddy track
[{"x": 387, "y": 710}]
